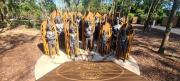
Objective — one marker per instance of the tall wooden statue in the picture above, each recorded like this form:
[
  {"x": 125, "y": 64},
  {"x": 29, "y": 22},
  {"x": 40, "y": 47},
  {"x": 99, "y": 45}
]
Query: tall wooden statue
[
  {"x": 50, "y": 38},
  {"x": 56, "y": 18},
  {"x": 88, "y": 30},
  {"x": 115, "y": 30},
  {"x": 130, "y": 38},
  {"x": 77, "y": 23},
  {"x": 124, "y": 40},
  {"x": 55, "y": 45},
  {"x": 66, "y": 32},
  {"x": 105, "y": 37},
  {"x": 43, "y": 34}
]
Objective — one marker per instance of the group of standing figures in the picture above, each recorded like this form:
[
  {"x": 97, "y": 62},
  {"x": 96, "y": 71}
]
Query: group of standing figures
[{"x": 106, "y": 33}]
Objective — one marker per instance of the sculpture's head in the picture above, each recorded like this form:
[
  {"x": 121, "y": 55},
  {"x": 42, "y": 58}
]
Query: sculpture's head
[
  {"x": 49, "y": 24},
  {"x": 88, "y": 24},
  {"x": 117, "y": 20},
  {"x": 96, "y": 20},
  {"x": 58, "y": 20}
]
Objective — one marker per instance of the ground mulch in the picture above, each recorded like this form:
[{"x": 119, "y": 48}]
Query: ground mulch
[{"x": 154, "y": 66}]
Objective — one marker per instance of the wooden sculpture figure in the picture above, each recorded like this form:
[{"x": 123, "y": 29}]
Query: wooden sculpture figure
[
  {"x": 130, "y": 38},
  {"x": 121, "y": 43},
  {"x": 51, "y": 38},
  {"x": 88, "y": 34},
  {"x": 43, "y": 33},
  {"x": 60, "y": 30},
  {"x": 105, "y": 37},
  {"x": 115, "y": 31},
  {"x": 66, "y": 34},
  {"x": 72, "y": 41},
  {"x": 74, "y": 25},
  {"x": 88, "y": 30},
  {"x": 124, "y": 40},
  {"x": 104, "y": 43},
  {"x": 56, "y": 20}
]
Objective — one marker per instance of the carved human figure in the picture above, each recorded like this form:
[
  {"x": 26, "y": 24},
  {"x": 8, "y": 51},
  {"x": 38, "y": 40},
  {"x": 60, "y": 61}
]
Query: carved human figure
[
  {"x": 88, "y": 35},
  {"x": 115, "y": 31},
  {"x": 60, "y": 30},
  {"x": 122, "y": 43},
  {"x": 72, "y": 40},
  {"x": 103, "y": 43},
  {"x": 51, "y": 38}
]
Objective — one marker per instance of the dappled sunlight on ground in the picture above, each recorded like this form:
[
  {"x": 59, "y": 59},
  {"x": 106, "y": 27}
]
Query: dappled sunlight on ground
[{"x": 154, "y": 66}]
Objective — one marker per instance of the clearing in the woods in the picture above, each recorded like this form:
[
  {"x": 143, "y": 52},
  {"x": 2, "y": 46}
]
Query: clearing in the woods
[{"x": 19, "y": 53}]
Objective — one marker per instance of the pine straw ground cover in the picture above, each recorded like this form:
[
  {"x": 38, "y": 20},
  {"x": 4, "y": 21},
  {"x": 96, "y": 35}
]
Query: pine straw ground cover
[{"x": 154, "y": 66}]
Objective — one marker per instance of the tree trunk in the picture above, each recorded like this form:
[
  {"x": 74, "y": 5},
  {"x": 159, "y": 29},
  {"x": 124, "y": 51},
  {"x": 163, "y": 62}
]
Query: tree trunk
[
  {"x": 151, "y": 11},
  {"x": 122, "y": 4},
  {"x": 2, "y": 16},
  {"x": 168, "y": 27},
  {"x": 148, "y": 16},
  {"x": 156, "y": 5}
]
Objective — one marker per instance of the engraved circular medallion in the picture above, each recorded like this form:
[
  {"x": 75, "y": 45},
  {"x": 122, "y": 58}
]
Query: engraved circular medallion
[{"x": 89, "y": 70}]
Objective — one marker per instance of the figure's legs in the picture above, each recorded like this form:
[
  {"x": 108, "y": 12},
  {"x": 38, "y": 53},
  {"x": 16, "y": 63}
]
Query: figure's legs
[
  {"x": 99, "y": 49},
  {"x": 117, "y": 54},
  {"x": 61, "y": 40},
  {"x": 91, "y": 43},
  {"x": 124, "y": 51},
  {"x": 56, "y": 49},
  {"x": 86, "y": 46},
  {"x": 50, "y": 49},
  {"x": 72, "y": 52},
  {"x": 88, "y": 43},
  {"x": 103, "y": 50}
]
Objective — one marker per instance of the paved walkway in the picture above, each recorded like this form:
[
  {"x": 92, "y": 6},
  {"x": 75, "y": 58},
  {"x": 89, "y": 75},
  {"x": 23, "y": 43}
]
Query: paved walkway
[{"x": 173, "y": 30}]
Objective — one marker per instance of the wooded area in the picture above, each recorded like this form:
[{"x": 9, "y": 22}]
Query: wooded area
[{"x": 31, "y": 12}]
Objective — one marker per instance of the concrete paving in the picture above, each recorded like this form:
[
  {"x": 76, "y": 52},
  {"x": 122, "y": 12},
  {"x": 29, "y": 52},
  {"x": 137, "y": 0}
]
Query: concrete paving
[
  {"x": 162, "y": 28},
  {"x": 173, "y": 30},
  {"x": 45, "y": 64}
]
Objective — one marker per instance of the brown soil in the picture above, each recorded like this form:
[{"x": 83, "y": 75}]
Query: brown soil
[{"x": 18, "y": 54}]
